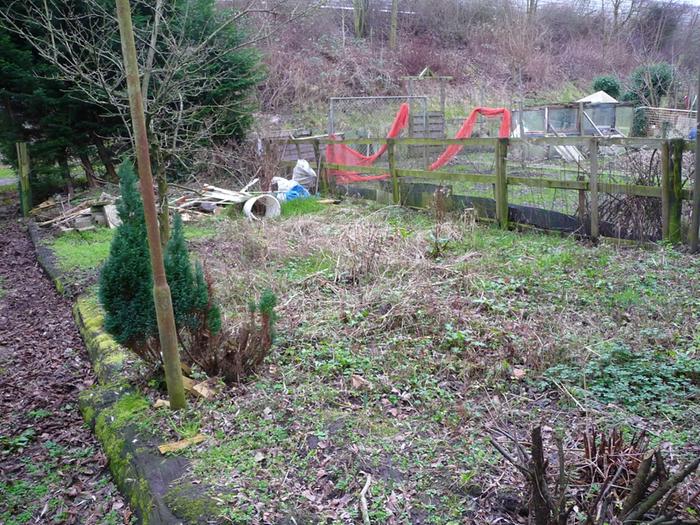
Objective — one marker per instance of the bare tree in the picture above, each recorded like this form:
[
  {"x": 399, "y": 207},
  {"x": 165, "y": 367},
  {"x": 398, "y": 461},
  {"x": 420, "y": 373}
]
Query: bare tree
[{"x": 180, "y": 77}]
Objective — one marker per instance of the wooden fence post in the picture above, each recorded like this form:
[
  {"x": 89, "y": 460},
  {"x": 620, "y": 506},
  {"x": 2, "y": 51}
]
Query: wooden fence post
[
  {"x": 675, "y": 191},
  {"x": 501, "y": 184},
  {"x": 665, "y": 184},
  {"x": 322, "y": 181},
  {"x": 25, "y": 195},
  {"x": 593, "y": 185},
  {"x": 392, "y": 170},
  {"x": 695, "y": 217}
]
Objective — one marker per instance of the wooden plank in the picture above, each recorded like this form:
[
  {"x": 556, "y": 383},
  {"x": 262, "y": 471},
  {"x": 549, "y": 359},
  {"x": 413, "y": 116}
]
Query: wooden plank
[
  {"x": 629, "y": 189},
  {"x": 479, "y": 141},
  {"x": 447, "y": 176},
  {"x": 418, "y": 141},
  {"x": 169, "y": 448},
  {"x": 539, "y": 182},
  {"x": 371, "y": 170}
]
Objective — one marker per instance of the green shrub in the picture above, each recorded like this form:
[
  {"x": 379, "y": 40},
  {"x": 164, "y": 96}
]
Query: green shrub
[
  {"x": 609, "y": 84},
  {"x": 198, "y": 319},
  {"x": 126, "y": 284},
  {"x": 649, "y": 83}
]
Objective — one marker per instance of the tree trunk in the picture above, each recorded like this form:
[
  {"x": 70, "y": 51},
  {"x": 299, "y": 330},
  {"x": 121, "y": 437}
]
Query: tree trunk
[
  {"x": 106, "y": 158},
  {"x": 89, "y": 170},
  {"x": 162, "y": 183},
  {"x": 361, "y": 14},
  {"x": 394, "y": 23},
  {"x": 65, "y": 172}
]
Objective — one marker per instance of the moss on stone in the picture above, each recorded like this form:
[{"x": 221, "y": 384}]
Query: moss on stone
[
  {"x": 109, "y": 429},
  {"x": 189, "y": 503}
]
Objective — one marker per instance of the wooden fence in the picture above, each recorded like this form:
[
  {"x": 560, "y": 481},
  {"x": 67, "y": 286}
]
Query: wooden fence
[{"x": 671, "y": 192}]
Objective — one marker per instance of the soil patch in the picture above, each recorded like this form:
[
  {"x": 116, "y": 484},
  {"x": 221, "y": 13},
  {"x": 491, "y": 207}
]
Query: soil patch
[{"x": 52, "y": 469}]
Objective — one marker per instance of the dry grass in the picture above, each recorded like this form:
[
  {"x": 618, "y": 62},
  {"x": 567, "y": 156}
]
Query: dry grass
[{"x": 392, "y": 363}]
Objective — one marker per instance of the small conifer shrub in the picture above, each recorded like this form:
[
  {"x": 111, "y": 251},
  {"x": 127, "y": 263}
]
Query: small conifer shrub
[
  {"x": 197, "y": 318},
  {"x": 126, "y": 282}
]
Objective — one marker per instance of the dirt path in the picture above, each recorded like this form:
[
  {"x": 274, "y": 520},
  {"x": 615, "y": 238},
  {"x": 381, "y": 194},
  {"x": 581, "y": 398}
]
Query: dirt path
[{"x": 52, "y": 470}]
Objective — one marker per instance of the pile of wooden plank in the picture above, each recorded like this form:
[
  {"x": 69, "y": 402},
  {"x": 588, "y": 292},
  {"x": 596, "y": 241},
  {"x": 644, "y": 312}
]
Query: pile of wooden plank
[
  {"x": 210, "y": 198},
  {"x": 76, "y": 213}
]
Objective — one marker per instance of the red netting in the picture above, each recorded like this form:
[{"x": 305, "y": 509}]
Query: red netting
[
  {"x": 345, "y": 155},
  {"x": 466, "y": 131},
  {"x": 342, "y": 154}
]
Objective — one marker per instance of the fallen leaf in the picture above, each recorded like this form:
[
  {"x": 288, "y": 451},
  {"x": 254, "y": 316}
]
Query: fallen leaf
[
  {"x": 519, "y": 373},
  {"x": 360, "y": 383}
]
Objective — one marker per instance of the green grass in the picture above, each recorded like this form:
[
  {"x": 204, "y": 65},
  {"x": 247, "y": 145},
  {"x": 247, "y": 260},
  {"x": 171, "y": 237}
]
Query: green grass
[
  {"x": 298, "y": 207},
  {"x": 82, "y": 250},
  {"x": 88, "y": 250},
  {"x": 435, "y": 343},
  {"x": 7, "y": 173}
]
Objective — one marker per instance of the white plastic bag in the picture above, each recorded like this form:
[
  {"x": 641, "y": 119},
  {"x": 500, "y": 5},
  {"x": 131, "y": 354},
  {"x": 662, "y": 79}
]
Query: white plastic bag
[
  {"x": 304, "y": 174},
  {"x": 283, "y": 185}
]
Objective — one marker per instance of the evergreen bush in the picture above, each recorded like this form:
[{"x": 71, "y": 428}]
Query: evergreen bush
[
  {"x": 609, "y": 84},
  {"x": 126, "y": 283},
  {"x": 197, "y": 318}
]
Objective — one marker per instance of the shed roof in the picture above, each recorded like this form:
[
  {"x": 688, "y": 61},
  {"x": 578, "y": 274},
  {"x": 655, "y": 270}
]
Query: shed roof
[{"x": 599, "y": 97}]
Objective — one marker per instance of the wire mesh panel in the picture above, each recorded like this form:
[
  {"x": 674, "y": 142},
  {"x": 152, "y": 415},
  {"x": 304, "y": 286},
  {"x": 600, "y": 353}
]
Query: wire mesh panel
[
  {"x": 632, "y": 209},
  {"x": 542, "y": 184},
  {"x": 370, "y": 117},
  {"x": 668, "y": 123}
]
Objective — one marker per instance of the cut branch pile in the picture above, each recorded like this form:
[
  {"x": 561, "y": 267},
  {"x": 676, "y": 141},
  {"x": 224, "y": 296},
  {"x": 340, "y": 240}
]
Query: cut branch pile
[{"x": 616, "y": 482}]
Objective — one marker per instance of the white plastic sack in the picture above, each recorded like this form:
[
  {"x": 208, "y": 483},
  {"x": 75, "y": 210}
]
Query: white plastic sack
[
  {"x": 304, "y": 174},
  {"x": 283, "y": 185}
]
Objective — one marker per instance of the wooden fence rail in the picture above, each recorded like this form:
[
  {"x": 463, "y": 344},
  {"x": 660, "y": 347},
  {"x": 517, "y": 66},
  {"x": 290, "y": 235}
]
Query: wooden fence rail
[{"x": 670, "y": 191}]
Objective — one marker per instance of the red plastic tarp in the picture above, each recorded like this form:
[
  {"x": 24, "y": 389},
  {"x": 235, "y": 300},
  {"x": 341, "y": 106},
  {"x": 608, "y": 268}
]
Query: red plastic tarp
[{"x": 344, "y": 155}]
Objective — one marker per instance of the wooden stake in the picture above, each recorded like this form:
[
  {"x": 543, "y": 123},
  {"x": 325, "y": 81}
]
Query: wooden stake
[
  {"x": 675, "y": 191},
  {"x": 695, "y": 222},
  {"x": 593, "y": 183},
  {"x": 665, "y": 185},
  {"x": 25, "y": 194},
  {"x": 501, "y": 184},
  {"x": 392, "y": 171},
  {"x": 161, "y": 291}
]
